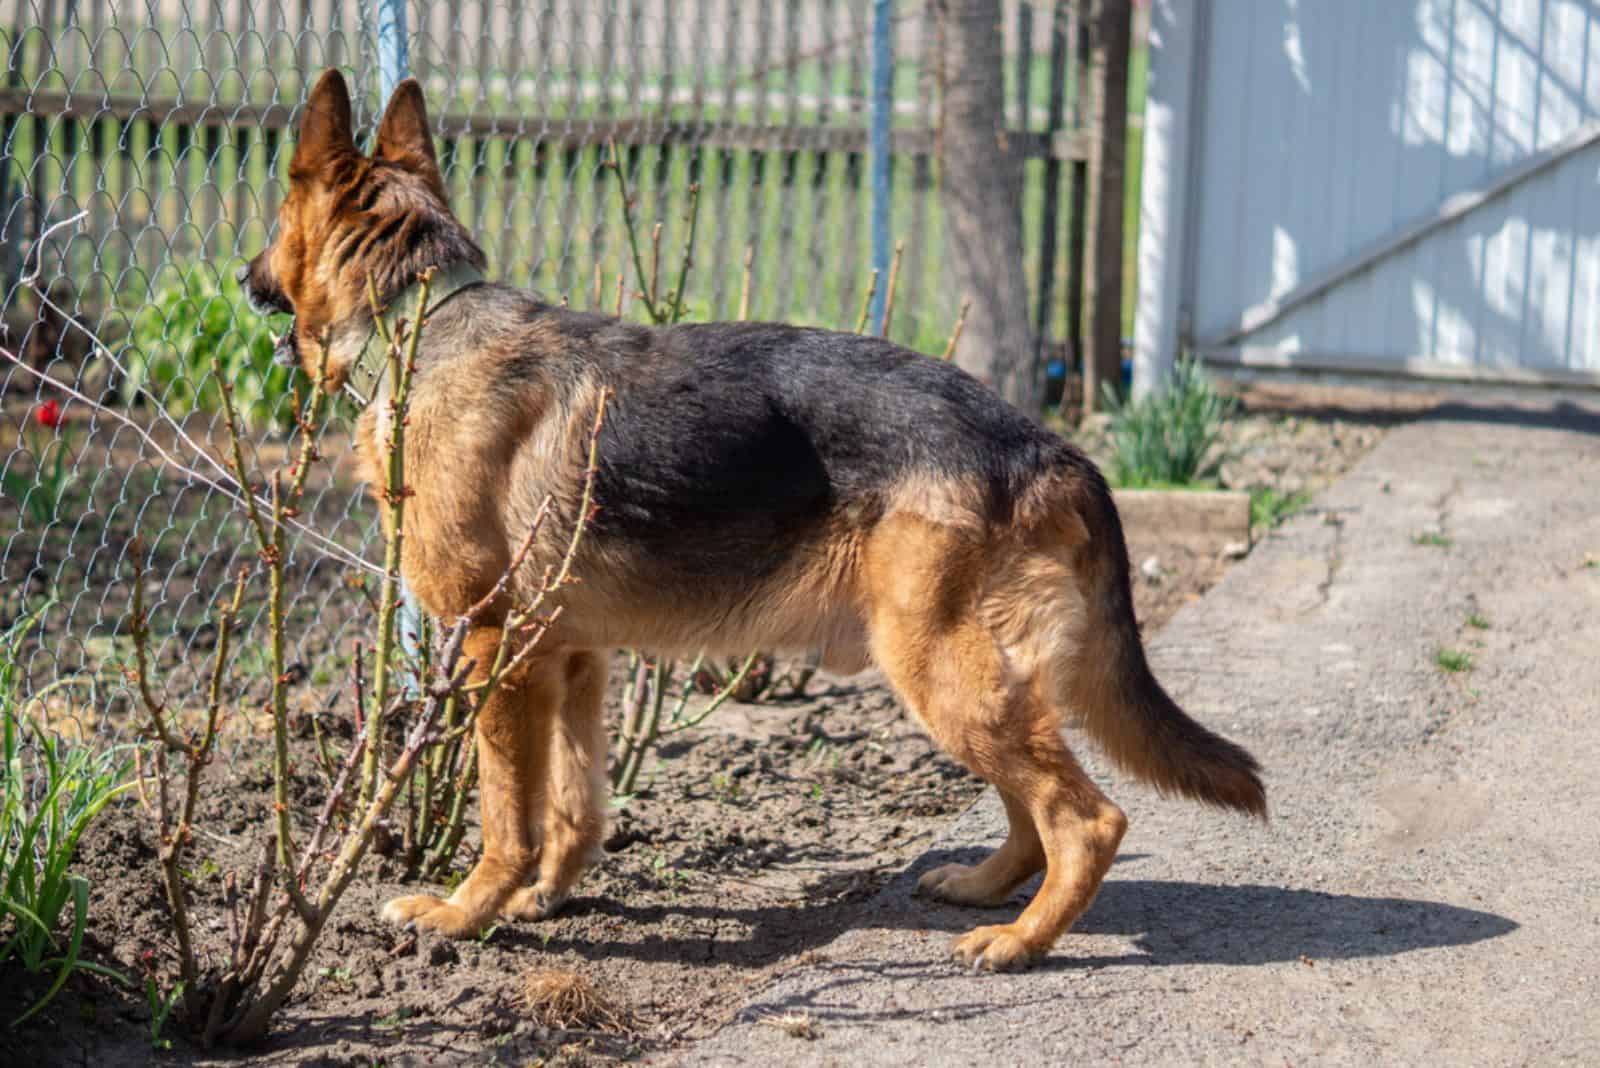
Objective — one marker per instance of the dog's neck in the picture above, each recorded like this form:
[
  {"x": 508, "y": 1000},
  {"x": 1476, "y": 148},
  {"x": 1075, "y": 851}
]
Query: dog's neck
[{"x": 366, "y": 370}]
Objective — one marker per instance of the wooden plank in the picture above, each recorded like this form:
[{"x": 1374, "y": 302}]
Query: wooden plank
[
  {"x": 1103, "y": 363},
  {"x": 1078, "y": 192},
  {"x": 825, "y": 63},
  {"x": 1049, "y": 238},
  {"x": 608, "y": 58},
  {"x": 1202, "y": 521},
  {"x": 699, "y": 43},
  {"x": 914, "y": 270},
  {"x": 787, "y": 237},
  {"x": 539, "y": 129},
  {"x": 1024, "y": 98},
  {"x": 667, "y": 78}
]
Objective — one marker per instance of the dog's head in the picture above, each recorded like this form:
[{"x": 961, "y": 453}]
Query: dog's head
[{"x": 349, "y": 217}]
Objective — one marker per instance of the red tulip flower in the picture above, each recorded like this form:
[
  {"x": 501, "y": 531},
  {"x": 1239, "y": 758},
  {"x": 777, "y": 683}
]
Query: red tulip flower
[{"x": 48, "y": 414}]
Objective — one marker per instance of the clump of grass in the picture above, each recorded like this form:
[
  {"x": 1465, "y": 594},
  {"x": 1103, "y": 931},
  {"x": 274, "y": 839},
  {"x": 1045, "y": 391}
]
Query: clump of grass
[
  {"x": 1270, "y": 507},
  {"x": 1433, "y": 539},
  {"x": 1170, "y": 438},
  {"x": 1454, "y": 661},
  {"x": 49, "y": 794},
  {"x": 198, "y": 317},
  {"x": 795, "y": 1025},
  {"x": 1477, "y": 622},
  {"x": 566, "y": 1001}
]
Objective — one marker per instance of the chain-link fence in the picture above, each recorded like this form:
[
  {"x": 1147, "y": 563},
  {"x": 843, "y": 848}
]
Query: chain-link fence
[{"x": 168, "y": 123}]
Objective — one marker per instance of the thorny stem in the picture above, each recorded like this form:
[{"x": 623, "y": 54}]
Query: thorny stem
[
  {"x": 251, "y": 1023},
  {"x": 524, "y": 623},
  {"x": 655, "y": 274},
  {"x": 647, "y": 726},
  {"x": 866, "y": 302},
  {"x": 230, "y": 418},
  {"x": 280, "y": 695},
  {"x": 679, "y": 722},
  {"x": 745, "y": 285},
  {"x": 529, "y": 616},
  {"x": 633, "y": 233},
  {"x": 642, "y": 723},
  {"x": 955, "y": 333},
  {"x": 894, "y": 281},
  {"x": 402, "y": 364},
  {"x": 198, "y": 754},
  {"x": 693, "y": 215}
]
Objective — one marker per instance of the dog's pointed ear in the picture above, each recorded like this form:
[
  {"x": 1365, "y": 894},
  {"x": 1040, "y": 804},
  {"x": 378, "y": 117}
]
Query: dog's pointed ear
[
  {"x": 325, "y": 127},
  {"x": 404, "y": 136}
]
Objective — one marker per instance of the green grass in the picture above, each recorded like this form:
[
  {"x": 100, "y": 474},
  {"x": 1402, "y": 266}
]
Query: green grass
[
  {"x": 1270, "y": 507},
  {"x": 1454, "y": 661},
  {"x": 1432, "y": 539},
  {"x": 1170, "y": 438},
  {"x": 1477, "y": 622},
  {"x": 49, "y": 794}
]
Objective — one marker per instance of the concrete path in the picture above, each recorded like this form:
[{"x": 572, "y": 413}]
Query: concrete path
[{"x": 1429, "y": 888}]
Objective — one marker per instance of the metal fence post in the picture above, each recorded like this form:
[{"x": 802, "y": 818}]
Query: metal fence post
[
  {"x": 882, "y": 113},
  {"x": 394, "y": 63},
  {"x": 394, "y": 54}
]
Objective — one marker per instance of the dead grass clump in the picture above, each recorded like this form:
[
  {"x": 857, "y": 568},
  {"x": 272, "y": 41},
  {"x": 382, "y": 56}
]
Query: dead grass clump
[
  {"x": 566, "y": 1001},
  {"x": 795, "y": 1025}
]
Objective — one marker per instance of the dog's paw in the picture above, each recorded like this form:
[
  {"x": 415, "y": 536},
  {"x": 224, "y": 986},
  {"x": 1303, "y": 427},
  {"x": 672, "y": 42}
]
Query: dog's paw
[
  {"x": 994, "y": 949},
  {"x": 431, "y": 914},
  {"x": 960, "y": 885},
  {"x": 533, "y": 903}
]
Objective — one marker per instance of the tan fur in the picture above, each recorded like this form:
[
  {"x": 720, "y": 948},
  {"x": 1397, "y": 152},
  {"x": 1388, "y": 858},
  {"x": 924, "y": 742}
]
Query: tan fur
[{"x": 989, "y": 627}]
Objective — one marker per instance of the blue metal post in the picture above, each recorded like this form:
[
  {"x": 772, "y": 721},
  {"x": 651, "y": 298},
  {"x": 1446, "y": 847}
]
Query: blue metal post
[
  {"x": 882, "y": 113},
  {"x": 394, "y": 63},
  {"x": 394, "y": 54}
]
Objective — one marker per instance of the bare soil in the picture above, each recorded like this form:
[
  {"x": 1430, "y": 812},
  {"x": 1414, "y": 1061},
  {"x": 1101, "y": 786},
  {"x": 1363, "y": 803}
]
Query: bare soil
[{"x": 751, "y": 844}]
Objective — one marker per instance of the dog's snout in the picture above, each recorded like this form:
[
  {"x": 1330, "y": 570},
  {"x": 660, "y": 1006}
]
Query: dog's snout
[
  {"x": 242, "y": 275},
  {"x": 261, "y": 289}
]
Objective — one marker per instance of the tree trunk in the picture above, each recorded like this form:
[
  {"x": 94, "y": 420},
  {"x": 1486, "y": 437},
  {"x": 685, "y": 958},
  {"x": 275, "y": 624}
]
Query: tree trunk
[{"x": 982, "y": 196}]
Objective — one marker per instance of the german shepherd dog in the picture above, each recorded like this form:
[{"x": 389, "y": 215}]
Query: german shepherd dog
[{"x": 759, "y": 486}]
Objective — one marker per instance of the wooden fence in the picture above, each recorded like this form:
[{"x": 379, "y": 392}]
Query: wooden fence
[{"x": 167, "y": 123}]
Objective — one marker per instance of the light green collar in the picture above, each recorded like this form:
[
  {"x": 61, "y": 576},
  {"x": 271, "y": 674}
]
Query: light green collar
[{"x": 372, "y": 362}]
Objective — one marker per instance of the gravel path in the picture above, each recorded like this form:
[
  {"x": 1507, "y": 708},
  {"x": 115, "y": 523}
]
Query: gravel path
[{"x": 1426, "y": 890}]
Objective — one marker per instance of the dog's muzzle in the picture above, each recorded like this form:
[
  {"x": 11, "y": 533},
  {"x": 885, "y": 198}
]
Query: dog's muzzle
[
  {"x": 285, "y": 349},
  {"x": 263, "y": 300}
]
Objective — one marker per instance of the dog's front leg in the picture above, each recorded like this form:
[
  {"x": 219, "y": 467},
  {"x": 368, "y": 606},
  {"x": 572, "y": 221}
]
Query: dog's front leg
[{"x": 513, "y": 743}]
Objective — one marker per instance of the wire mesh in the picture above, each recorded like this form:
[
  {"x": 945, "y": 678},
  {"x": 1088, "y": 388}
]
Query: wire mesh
[{"x": 169, "y": 123}]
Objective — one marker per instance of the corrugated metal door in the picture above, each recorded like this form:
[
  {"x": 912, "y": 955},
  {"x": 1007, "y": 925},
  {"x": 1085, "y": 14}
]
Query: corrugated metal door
[{"x": 1406, "y": 186}]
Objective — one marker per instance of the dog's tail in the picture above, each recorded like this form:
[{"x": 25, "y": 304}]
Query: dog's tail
[{"x": 1122, "y": 706}]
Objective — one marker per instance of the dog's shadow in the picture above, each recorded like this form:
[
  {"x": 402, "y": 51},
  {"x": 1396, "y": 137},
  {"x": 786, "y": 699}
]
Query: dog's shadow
[
  {"x": 1169, "y": 923},
  {"x": 1166, "y": 923}
]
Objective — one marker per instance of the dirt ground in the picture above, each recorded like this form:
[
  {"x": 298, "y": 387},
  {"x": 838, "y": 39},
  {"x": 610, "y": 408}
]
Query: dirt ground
[{"x": 749, "y": 845}]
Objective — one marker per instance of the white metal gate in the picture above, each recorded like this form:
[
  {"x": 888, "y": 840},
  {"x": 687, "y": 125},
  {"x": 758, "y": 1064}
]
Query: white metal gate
[{"x": 1394, "y": 186}]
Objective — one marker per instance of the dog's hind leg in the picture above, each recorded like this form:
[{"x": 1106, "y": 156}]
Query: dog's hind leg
[
  {"x": 992, "y": 881},
  {"x": 570, "y": 804},
  {"x": 513, "y": 736},
  {"x": 925, "y": 583}
]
